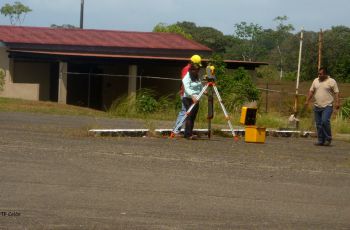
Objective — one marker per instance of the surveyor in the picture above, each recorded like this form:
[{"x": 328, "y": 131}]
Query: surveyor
[
  {"x": 192, "y": 87},
  {"x": 195, "y": 59},
  {"x": 326, "y": 93}
]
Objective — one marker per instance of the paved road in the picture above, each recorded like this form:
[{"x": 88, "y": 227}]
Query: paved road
[{"x": 54, "y": 176}]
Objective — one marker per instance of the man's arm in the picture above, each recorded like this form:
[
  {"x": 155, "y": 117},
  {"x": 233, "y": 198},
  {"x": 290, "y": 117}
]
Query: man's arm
[
  {"x": 337, "y": 101},
  {"x": 309, "y": 96}
]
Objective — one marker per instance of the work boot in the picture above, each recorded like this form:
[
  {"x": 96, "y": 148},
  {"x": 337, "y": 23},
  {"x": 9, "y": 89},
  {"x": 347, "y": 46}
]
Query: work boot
[
  {"x": 319, "y": 144},
  {"x": 327, "y": 142},
  {"x": 176, "y": 135},
  {"x": 193, "y": 137}
]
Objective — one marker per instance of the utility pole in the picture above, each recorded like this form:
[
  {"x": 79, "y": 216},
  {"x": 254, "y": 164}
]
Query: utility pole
[{"x": 82, "y": 14}]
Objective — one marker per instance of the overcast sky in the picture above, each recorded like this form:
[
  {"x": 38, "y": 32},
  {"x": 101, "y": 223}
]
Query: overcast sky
[{"x": 143, "y": 15}]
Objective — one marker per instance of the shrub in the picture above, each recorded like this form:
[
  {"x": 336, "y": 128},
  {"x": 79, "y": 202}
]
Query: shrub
[
  {"x": 237, "y": 88},
  {"x": 268, "y": 73},
  {"x": 145, "y": 101},
  {"x": 345, "y": 109},
  {"x": 2, "y": 79}
]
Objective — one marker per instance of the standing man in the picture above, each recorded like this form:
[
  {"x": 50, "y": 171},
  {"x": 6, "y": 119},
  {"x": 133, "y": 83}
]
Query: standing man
[
  {"x": 195, "y": 59},
  {"x": 326, "y": 93},
  {"x": 192, "y": 87}
]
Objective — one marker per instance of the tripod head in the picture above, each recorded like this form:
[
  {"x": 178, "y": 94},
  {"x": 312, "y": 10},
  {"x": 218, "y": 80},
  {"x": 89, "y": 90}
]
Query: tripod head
[{"x": 210, "y": 74}]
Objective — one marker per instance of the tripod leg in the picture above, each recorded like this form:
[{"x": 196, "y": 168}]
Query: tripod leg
[
  {"x": 210, "y": 109},
  {"x": 189, "y": 110},
  {"x": 225, "y": 112}
]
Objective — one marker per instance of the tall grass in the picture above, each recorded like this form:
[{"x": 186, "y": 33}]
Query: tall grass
[
  {"x": 340, "y": 125},
  {"x": 145, "y": 105},
  {"x": 20, "y": 105},
  {"x": 167, "y": 109}
]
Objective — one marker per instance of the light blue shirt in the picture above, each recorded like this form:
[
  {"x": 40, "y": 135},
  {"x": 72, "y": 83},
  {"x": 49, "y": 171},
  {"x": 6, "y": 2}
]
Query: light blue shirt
[{"x": 192, "y": 88}]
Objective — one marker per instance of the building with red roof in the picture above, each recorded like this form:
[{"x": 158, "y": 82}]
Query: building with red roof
[{"x": 93, "y": 67}]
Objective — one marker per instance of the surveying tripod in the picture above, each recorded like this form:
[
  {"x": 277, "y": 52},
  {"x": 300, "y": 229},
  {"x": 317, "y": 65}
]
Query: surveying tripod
[{"x": 210, "y": 85}]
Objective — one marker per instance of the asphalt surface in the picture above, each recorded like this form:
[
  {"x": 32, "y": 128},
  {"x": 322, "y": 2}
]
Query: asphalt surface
[{"x": 55, "y": 176}]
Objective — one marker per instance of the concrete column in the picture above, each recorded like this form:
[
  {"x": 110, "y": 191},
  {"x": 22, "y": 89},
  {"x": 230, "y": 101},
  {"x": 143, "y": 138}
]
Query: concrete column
[
  {"x": 11, "y": 70},
  {"x": 132, "y": 80},
  {"x": 6, "y": 65},
  {"x": 62, "y": 83}
]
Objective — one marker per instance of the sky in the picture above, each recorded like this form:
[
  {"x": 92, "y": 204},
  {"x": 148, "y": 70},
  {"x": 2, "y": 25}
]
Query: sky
[{"x": 143, "y": 15}]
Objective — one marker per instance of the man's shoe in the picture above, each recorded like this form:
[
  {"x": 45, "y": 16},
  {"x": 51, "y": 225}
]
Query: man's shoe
[
  {"x": 319, "y": 144},
  {"x": 176, "y": 135},
  {"x": 327, "y": 143},
  {"x": 193, "y": 137}
]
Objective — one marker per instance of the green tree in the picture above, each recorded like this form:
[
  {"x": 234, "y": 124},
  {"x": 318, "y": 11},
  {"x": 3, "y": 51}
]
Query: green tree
[
  {"x": 164, "y": 28},
  {"x": 336, "y": 52},
  {"x": 248, "y": 36},
  {"x": 235, "y": 87},
  {"x": 64, "y": 26},
  {"x": 208, "y": 36},
  {"x": 310, "y": 56},
  {"x": 282, "y": 31},
  {"x": 16, "y": 12}
]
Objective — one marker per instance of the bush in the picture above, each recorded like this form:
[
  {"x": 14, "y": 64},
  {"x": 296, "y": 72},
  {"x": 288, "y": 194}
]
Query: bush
[
  {"x": 268, "y": 73},
  {"x": 145, "y": 101},
  {"x": 345, "y": 109},
  {"x": 2, "y": 79},
  {"x": 237, "y": 88}
]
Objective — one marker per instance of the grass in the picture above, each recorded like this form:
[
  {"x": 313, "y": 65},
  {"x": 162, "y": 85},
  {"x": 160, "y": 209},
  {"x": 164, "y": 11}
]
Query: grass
[
  {"x": 19, "y": 105},
  {"x": 124, "y": 110}
]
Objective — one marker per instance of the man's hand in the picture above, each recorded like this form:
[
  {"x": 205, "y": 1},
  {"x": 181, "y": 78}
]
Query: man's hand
[
  {"x": 194, "y": 99},
  {"x": 337, "y": 106},
  {"x": 308, "y": 99},
  {"x": 337, "y": 101}
]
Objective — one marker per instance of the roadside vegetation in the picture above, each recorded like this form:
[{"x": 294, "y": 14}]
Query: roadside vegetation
[
  {"x": 236, "y": 89},
  {"x": 19, "y": 105},
  {"x": 249, "y": 41},
  {"x": 167, "y": 110}
]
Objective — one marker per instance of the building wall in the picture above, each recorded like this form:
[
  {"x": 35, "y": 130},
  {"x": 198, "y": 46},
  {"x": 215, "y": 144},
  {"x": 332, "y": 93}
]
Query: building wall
[
  {"x": 161, "y": 86},
  {"x": 24, "y": 80},
  {"x": 93, "y": 83},
  {"x": 116, "y": 86},
  {"x": 33, "y": 73}
]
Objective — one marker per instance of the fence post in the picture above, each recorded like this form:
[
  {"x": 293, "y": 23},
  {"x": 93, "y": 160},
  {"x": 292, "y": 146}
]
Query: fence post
[{"x": 267, "y": 98}]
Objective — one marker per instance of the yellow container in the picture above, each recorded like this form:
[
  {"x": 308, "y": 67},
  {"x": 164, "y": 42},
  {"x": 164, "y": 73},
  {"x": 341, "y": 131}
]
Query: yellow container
[
  {"x": 248, "y": 116},
  {"x": 255, "y": 134}
]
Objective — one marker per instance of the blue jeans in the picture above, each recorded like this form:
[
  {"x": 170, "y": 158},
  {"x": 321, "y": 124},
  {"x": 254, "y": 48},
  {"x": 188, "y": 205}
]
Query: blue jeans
[
  {"x": 323, "y": 123},
  {"x": 180, "y": 116},
  {"x": 187, "y": 102}
]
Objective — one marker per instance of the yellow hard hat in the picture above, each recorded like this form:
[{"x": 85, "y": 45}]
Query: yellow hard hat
[{"x": 196, "y": 59}]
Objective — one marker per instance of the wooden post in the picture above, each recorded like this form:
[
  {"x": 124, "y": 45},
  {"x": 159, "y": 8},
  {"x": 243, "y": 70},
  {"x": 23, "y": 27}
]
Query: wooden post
[
  {"x": 320, "y": 42},
  {"x": 298, "y": 73},
  {"x": 267, "y": 97},
  {"x": 132, "y": 80}
]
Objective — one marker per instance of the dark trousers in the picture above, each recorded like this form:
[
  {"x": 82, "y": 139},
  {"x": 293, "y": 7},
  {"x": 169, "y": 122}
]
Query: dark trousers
[
  {"x": 323, "y": 123},
  {"x": 187, "y": 102}
]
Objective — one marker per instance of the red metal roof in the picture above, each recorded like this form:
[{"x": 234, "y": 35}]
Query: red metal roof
[
  {"x": 96, "y": 38},
  {"x": 230, "y": 64}
]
